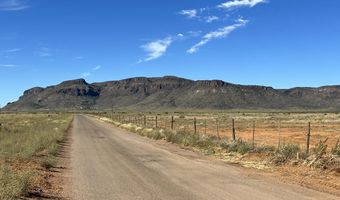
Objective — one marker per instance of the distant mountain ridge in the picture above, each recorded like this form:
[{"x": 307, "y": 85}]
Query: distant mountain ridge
[{"x": 172, "y": 92}]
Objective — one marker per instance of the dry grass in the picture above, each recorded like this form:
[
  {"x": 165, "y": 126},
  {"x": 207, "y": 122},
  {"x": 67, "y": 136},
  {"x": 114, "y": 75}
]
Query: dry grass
[
  {"x": 281, "y": 135},
  {"x": 272, "y": 128},
  {"x": 28, "y": 139}
]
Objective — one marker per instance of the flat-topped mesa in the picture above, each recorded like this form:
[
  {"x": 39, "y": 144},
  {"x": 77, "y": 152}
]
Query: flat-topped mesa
[
  {"x": 144, "y": 83},
  {"x": 212, "y": 83},
  {"x": 174, "y": 92},
  {"x": 74, "y": 82},
  {"x": 33, "y": 91}
]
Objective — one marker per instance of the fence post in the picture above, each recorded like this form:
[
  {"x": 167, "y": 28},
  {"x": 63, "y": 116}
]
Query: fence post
[
  {"x": 233, "y": 130},
  {"x": 112, "y": 113},
  {"x": 308, "y": 137},
  {"x": 156, "y": 121},
  {"x": 195, "y": 126},
  {"x": 172, "y": 122},
  {"x": 218, "y": 133},
  {"x": 205, "y": 127},
  {"x": 253, "y": 134},
  {"x": 144, "y": 121}
]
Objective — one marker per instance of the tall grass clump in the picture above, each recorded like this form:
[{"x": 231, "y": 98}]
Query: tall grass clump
[
  {"x": 237, "y": 146},
  {"x": 13, "y": 185},
  {"x": 336, "y": 149},
  {"x": 286, "y": 153}
]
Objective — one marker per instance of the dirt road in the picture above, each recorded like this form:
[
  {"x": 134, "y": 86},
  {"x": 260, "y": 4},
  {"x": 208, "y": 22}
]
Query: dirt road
[{"x": 108, "y": 163}]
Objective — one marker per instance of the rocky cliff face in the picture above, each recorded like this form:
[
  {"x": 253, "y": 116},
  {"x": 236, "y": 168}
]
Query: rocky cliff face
[{"x": 173, "y": 92}]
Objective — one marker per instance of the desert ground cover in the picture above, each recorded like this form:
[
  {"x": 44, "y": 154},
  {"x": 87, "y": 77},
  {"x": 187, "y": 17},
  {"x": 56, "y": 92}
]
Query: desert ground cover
[{"x": 29, "y": 144}]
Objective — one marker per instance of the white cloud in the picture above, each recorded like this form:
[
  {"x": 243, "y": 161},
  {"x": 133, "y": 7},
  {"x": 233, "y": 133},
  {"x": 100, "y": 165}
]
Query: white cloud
[
  {"x": 210, "y": 19},
  {"x": 189, "y": 13},
  {"x": 180, "y": 35},
  {"x": 240, "y": 3},
  {"x": 7, "y": 65},
  {"x": 44, "y": 52},
  {"x": 220, "y": 33},
  {"x": 96, "y": 68},
  {"x": 12, "y": 50},
  {"x": 156, "y": 49},
  {"x": 85, "y": 74},
  {"x": 13, "y": 5}
]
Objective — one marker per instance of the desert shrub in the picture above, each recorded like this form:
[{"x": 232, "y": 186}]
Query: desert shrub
[
  {"x": 157, "y": 135},
  {"x": 191, "y": 139},
  {"x": 206, "y": 144},
  {"x": 239, "y": 147},
  {"x": 320, "y": 149},
  {"x": 286, "y": 153},
  {"x": 178, "y": 137},
  {"x": 264, "y": 149},
  {"x": 336, "y": 149},
  {"x": 13, "y": 185},
  {"x": 289, "y": 151},
  {"x": 168, "y": 135}
]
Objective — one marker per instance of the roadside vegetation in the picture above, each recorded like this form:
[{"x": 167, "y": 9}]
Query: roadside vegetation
[
  {"x": 29, "y": 143},
  {"x": 322, "y": 154}
]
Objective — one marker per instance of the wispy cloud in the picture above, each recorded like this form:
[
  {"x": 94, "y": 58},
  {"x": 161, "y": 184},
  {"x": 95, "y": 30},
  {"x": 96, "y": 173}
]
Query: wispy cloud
[
  {"x": 220, "y": 33},
  {"x": 44, "y": 52},
  {"x": 189, "y": 13},
  {"x": 85, "y": 74},
  {"x": 78, "y": 58},
  {"x": 156, "y": 49},
  {"x": 96, "y": 68},
  {"x": 13, "y": 5},
  {"x": 210, "y": 19},
  {"x": 240, "y": 3},
  {"x": 12, "y": 50},
  {"x": 7, "y": 65}
]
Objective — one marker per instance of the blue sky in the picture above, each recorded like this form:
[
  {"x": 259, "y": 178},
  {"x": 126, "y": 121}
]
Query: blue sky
[{"x": 279, "y": 43}]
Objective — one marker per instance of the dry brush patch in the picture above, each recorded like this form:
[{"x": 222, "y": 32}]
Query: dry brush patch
[{"x": 29, "y": 144}]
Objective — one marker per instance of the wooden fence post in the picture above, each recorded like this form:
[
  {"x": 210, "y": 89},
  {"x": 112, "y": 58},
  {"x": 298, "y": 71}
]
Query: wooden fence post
[
  {"x": 112, "y": 113},
  {"x": 217, "y": 128},
  {"x": 195, "y": 126},
  {"x": 172, "y": 122},
  {"x": 233, "y": 130},
  {"x": 144, "y": 121},
  {"x": 308, "y": 137},
  {"x": 205, "y": 127},
  {"x": 253, "y": 134},
  {"x": 156, "y": 121}
]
